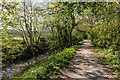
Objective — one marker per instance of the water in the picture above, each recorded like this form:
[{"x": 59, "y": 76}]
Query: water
[
  {"x": 16, "y": 68},
  {"x": 9, "y": 72}
]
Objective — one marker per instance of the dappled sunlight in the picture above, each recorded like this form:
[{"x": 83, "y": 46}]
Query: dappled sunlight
[
  {"x": 46, "y": 40},
  {"x": 85, "y": 65}
]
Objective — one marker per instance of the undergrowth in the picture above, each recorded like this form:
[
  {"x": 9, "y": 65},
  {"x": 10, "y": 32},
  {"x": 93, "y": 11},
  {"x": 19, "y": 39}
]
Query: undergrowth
[
  {"x": 51, "y": 66},
  {"x": 110, "y": 57}
]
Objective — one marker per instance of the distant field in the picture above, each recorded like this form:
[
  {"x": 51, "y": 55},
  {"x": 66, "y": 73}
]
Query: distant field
[
  {"x": 17, "y": 38},
  {"x": 6, "y": 41}
]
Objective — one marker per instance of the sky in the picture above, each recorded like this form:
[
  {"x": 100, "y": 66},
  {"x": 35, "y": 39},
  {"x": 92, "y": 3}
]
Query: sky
[{"x": 66, "y": 0}]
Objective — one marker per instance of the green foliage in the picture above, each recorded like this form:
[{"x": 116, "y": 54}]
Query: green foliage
[
  {"x": 76, "y": 39},
  {"x": 15, "y": 49},
  {"x": 51, "y": 65},
  {"x": 105, "y": 32},
  {"x": 56, "y": 27},
  {"x": 111, "y": 58},
  {"x": 38, "y": 33},
  {"x": 106, "y": 35},
  {"x": 11, "y": 49},
  {"x": 4, "y": 75},
  {"x": 80, "y": 43}
]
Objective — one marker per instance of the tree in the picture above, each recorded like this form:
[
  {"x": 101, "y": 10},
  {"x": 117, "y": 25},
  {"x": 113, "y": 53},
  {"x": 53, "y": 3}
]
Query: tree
[{"x": 21, "y": 20}]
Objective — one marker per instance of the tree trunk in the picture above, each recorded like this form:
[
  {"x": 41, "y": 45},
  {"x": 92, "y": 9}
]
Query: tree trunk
[{"x": 73, "y": 25}]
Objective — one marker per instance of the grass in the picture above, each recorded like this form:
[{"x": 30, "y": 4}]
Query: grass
[
  {"x": 8, "y": 42},
  {"x": 80, "y": 43},
  {"x": 15, "y": 38},
  {"x": 51, "y": 65},
  {"x": 110, "y": 58}
]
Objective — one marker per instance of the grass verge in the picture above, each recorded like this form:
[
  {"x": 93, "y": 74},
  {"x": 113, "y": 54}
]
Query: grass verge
[
  {"x": 111, "y": 58},
  {"x": 51, "y": 66}
]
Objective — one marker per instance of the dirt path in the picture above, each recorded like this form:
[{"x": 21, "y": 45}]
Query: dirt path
[{"x": 85, "y": 66}]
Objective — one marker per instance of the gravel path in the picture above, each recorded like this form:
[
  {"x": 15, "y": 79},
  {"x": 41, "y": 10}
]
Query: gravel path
[{"x": 86, "y": 66}]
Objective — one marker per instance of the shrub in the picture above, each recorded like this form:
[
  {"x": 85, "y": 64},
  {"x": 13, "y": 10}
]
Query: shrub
[
  {"x": 76, "y": 39},
  {"x": 106, "y": 35},
  {"x": 80, "y": 43}
]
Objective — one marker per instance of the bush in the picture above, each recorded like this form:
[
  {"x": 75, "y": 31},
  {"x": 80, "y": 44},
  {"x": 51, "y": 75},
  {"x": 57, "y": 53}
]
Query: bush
[
  {"x": 11, "y": 51},
  {"x": 16, "y": 49},
  {"x": 76, "y": 39},
  {"x": 106, "y": 35},
  {"x": 80, "y": 43}
]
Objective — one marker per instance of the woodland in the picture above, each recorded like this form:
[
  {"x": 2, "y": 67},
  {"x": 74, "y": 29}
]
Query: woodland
[{"x": 29, "y": 29}]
